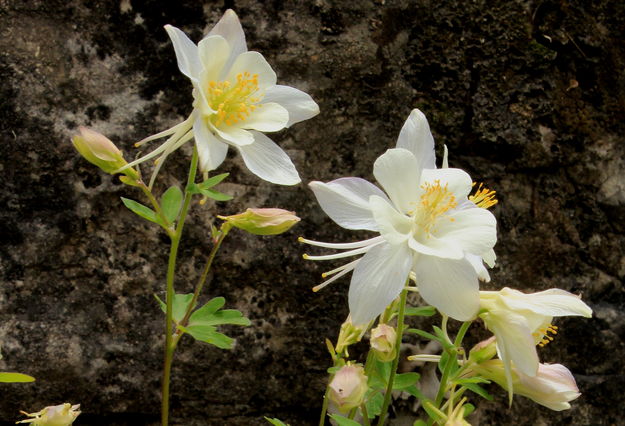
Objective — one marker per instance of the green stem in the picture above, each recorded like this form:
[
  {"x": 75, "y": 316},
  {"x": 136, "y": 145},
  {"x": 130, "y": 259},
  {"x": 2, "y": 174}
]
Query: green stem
[
  {"x": 157, "y": 207},
  {"x": 400, "y": 332},
  {"x": 225, "y": 228},
  {"x": 460, "y": 336},
  {"x": 171, "y": 272},
  {"x": 324, "y": 407},
  {"x": 365, "y": 414}
]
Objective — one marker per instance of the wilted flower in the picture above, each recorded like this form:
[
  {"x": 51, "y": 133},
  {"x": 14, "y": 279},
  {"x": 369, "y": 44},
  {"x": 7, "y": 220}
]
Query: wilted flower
[
  {"x": 553, "y": 385},
  {"x": 235, "y": 99},
  {"x": 348, "y": 335},
  {"x": 521, "y": 321},
  {"x": 100, "y": 151},
  {"x": 57, "y": 415},
  {"x": 383, "y": 342},
  {"x": 348, "y": 387},
  {"x": 269, "y": 221},
  {"x": 426, "y": 223}
]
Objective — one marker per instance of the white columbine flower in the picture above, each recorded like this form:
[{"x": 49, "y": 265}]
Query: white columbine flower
[
  {"x": 520, "y": 321},
  {"x": 235, "y": 99},
  {"x": 427, "y": 225},
  {"x": 553, "y": 385}
]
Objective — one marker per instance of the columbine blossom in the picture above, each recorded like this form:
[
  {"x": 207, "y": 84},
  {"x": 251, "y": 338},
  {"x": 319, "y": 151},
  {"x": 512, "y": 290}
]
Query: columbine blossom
[
  {"x": 553, "y": 385},
  {"x": 521, "y": 321},
  {"x": 235, "y": 99},
  {"x": 427, "y": 225}
]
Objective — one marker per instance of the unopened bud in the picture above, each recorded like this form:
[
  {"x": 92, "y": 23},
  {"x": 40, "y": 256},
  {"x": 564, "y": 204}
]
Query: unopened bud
[
  {"x": 269, "y": 221},
  {"x": 483, "y": 351},
  {"x": 100, "y": 151},
  {"x": 383, "y": 342},
  {"x": 348, "y": 387},
  {"x": 57, "y": 415},
  {"x": 348, "y": 335}
]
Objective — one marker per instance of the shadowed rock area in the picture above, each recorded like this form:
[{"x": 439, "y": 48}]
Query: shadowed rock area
[{"x": 529, "y": 97}]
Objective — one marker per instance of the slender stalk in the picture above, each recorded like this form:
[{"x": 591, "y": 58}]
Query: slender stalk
[
  {"x": 400, "y": 333},
  {"x": 324, "y": 407},
  {"x": 225, "y": 228},
  {"x": 171, "y": 272},
  {"x": 365, "y": 414}
]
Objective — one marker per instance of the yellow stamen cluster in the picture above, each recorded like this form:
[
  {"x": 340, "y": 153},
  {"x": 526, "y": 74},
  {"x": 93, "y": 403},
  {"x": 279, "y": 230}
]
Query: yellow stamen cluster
[
  {"x": 483, "y": 197},
  {"x": 435, "y": 201},
  {"x": 544, "y": 333},
  {"x": 233, "y": 102}
]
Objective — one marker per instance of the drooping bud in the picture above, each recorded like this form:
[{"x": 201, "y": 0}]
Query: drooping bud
[
  {"x": 348, "y": 387},
  {"x": 100, "y": 151},
  {"x": 383, "y": 342},
  {"x": 268, "y": 221},
  {"x": 57, "y": 415}
]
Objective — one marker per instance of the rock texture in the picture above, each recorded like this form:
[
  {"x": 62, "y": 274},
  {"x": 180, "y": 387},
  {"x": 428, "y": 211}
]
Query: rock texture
[{"x": 529, "y": 97}]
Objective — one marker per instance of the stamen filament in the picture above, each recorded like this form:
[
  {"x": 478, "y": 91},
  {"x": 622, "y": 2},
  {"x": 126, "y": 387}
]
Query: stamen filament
[{"x": 340, "y": 246}]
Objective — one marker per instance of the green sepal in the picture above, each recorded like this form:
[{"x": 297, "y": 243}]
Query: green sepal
[
  {"x": 6, "y": 377},
  {"x": 420, "y": 311},
  {"x": 442, "y": 338},
  {"x": 468, "y": 409},
  {"x": 420, "y": 423},
  {"x": 276, "y": 422},
  {"x": 141, "y": 210},
  {"x": 333, "y": 370},
  {"x": 179, "y": 305},
  {"x": 171, "y": 203},
  {"x": 343, "y": 421},
  {"x": 405, "y": 380}
]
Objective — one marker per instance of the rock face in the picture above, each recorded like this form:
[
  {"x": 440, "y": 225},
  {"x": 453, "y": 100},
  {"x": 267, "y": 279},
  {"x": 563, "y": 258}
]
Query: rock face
[{"x": 529, "y": 97}]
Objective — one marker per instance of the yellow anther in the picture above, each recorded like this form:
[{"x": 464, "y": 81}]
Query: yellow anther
[{"x": 483, "y": 197}]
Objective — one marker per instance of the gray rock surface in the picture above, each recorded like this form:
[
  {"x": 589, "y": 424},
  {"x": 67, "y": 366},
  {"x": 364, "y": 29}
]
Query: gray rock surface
[{"x": 529, "y": 96}]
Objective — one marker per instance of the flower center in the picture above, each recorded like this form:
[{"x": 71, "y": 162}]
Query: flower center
[
  {"x": 543, "y": 334},
  {"x": 436, "y": 200},
  {"x": 233, "y": 102},
  {"x": 483, "y": 197}
]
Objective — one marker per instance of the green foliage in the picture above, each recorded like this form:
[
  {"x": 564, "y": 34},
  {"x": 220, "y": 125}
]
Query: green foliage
[
  {"x": 419, "y": 423},
  {"x": 343, "y": 421},
  {"x": 6, "y": 377},
  {"x": 141, "y": 210},
  {"x": 204, "y": 188},
  {"x": 475, "y": 388},
  {"x": 202, "y": 324},
  {"x": 405, "y": 380},
  {"x": 171, "y": 203},
  {"x": 374, "y": 404}
]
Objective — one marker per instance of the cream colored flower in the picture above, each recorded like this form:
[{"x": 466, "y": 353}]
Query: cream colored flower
[{"x": 236, "y": 99}]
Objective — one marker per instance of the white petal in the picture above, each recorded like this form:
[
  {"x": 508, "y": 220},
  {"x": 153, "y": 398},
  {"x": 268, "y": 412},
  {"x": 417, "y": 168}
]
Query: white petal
[
  {"x": 551, "y": 303},
  {"x": 299, "y": 104},
  {"x": 474, "y": 230},
  {"x": 268, "y": 161},
  {"x": 398, "y": 172},
  {"x": 490, "y": 257},
  {"x": 213, "y": 52},
  {"x": 415, "y": 136},
  {"x": 478, "y": 266},
  {"x": 514, "y": 340},
  {"x": 378, "y": 279},
  {"x": 431, "y": 246},
  {"x": 230, "y": 28},
  {"x": 232, "y": 134},
  {"x": 211, "y": 150},
  {"x": 267, "y": 117},
  {"x": 445, "y": 163},
  {"x": 186, "y": 52},
  {"x": 254, "y": 63},
  {"x": 449, "y": 285},
  {"x": 458, "y": 181},
  {"x": 392, "y": 225},
  {"x": 346, "y": 201}
]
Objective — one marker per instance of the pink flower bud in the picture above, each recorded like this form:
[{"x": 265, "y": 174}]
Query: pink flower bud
[
  {"x": 98, "y": 150},
  {"x": 269, "y": 221},
  {"x": 348, "y": 387},
  {"x": 383, "y": 340}
]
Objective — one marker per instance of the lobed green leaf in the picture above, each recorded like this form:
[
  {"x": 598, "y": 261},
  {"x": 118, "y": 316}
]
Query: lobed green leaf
[{"x": 343, "y": 421}]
